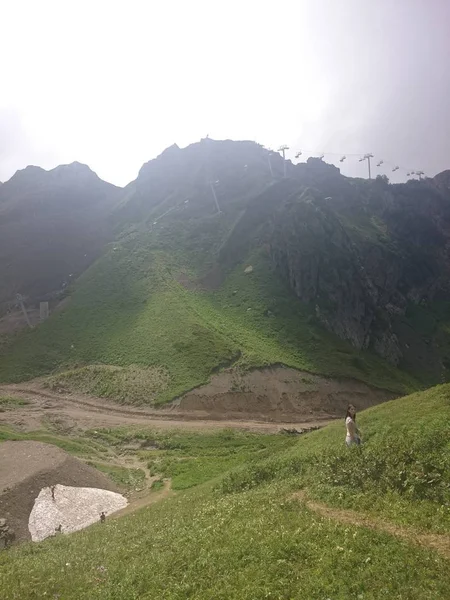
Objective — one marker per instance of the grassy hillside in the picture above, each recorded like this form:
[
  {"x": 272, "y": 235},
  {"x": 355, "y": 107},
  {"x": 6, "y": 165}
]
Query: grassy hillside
[
  {"x": 248, "y": 534},
  {"x": 139, "y": 308}
]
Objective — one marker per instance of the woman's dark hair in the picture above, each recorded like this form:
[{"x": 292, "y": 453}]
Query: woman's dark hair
[{"x": 347, "y": 414}]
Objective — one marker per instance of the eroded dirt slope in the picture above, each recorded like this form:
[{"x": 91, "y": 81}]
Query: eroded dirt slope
[
  {"x": 277, "y": 394},
  {"x": 26, "y": 467}
]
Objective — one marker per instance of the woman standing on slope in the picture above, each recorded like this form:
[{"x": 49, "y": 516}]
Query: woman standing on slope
[{"x": 353, "y": 436}]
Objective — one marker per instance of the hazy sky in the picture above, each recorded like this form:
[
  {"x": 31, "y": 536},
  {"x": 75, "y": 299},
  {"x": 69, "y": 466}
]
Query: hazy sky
[{"x": 112, "y": 83}]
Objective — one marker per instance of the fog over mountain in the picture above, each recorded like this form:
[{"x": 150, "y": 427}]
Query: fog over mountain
[{"x": 111, "y": 85}]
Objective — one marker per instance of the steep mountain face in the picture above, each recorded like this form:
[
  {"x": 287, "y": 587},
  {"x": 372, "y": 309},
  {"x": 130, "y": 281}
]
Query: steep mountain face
[
  {"x": 369, "y": 262},
  {"x": 53, "y": 224}
]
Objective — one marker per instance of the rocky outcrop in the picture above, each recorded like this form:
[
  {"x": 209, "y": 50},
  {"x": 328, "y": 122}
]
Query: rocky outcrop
[
  {"x": 361, "y": 258},
  {"x": 7, "y": 535},
  {"x": 314, "y": 253}
]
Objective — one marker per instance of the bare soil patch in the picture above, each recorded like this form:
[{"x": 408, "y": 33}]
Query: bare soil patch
[
  {"x": 187, "y": 283},
  {"x": 213, "y": 279},
  {"x": 260, "y": 400},
  {"x": 72, "y": 411},
  {"x": 277, "y": 394}
]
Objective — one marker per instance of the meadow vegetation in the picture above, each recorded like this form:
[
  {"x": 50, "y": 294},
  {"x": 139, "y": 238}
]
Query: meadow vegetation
[
  {"x": 190, "y": 458},
  {"x": 134, "y": 333},
  {"x": 126, "y": 477},
  {"x": 141, "y": 384},
  {"x": 240, "y": 532}
]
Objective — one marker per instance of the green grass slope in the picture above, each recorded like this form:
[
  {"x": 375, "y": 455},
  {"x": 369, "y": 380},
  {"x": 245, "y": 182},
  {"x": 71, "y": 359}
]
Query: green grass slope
[
  {"x": 242, "y": 535},
  {"x": 130, "y": 311},
  {"x": 141, "y": 311}
]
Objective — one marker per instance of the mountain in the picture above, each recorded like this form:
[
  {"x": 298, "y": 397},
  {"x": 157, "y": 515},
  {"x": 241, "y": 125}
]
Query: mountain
[
  {"x": 53, "y": 225},
  {"x": 224, "y": 254},
  {"x": 370, "y": 259}
]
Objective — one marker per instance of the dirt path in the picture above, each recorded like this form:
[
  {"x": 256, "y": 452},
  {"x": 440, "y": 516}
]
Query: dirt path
[
  {"x": 439, "y": 542},
  {"x": 86, "y": 412},
  {"x": 145, "y": 499},
  {"x": 143, "y": 496}
]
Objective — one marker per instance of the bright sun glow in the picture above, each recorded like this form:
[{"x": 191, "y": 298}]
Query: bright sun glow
[{"x": 112, "y": 83}]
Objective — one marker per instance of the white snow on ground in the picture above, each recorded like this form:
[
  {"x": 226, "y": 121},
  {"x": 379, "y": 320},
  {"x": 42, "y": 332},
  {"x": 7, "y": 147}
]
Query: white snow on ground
[{"x": 73, "y": 508}]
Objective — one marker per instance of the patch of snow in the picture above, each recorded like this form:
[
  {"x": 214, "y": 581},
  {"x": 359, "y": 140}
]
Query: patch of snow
[{"x": 73, "y": 508}]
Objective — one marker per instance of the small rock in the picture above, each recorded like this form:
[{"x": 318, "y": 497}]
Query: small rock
[
  {"x": 7, "y": 535},
  {"x": 248, "y": 269}
]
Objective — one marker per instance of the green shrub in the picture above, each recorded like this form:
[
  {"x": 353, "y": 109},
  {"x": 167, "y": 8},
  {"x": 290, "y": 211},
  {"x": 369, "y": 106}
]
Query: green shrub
[
  {"x": 11, "y": 402},
  {"x": 262, "y": 472},
  {"x": 417, "y": 468}
]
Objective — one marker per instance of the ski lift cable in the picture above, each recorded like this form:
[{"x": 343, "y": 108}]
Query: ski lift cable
[
  {"x": 314, "y": 152},
  {"x": 361, "y": 157},
  {"x": 408, "y": 172}
]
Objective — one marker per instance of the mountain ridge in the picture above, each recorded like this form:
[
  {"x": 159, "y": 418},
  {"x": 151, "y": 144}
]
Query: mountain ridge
[{"x": 334, "y": 277}]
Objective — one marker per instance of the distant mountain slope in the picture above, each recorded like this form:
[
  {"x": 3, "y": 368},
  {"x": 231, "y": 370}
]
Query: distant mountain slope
[
  {"x": 175, "y": 291},
  {"x": 219, "y": 259},
  {"x": 53, "y": 224}
]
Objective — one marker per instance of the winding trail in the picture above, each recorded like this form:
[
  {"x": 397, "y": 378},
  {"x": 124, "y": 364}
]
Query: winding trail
[
  {"x": 144, "y": 496},
  {"x": 137, "y": 502},
  {"x": 435, "y": 541},
  {"x": 88, "y": 412}
]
